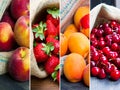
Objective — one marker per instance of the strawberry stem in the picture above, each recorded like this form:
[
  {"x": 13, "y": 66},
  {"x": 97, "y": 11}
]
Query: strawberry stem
[{"x": 54, "y": 12}]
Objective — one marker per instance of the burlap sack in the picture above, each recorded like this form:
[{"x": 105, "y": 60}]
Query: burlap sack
[
  {"x": 103, "y": 13},
  {"x": 37, "y": 10}
]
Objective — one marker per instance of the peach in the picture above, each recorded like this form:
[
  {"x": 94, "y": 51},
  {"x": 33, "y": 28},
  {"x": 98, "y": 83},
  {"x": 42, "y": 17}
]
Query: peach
[
  {"x": 22, "y": 31},
  {"x": 86, "y": 75},
  {"x": 19, "y": 8},
  {"x": 19, "y": 64},
  {"x": 6, "y": 18},
  {"x": 7, "y": 40}
]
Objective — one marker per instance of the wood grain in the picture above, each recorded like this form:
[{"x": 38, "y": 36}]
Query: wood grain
[{"x": 43, "y": 84}]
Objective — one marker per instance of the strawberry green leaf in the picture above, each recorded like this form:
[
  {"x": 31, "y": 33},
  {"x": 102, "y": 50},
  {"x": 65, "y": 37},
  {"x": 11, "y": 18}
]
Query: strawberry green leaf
[
  {"x": 39, "y": 30},
  {"x": 53, "y": 75},
  {"x": 54, "y": 12},
  {"x": 57, "y": 67},
  {"x": 34, "y": 44}
]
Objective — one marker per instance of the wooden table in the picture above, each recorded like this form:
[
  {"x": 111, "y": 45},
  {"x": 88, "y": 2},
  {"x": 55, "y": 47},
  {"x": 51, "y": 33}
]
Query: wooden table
[{"x": 43, "y": 84}]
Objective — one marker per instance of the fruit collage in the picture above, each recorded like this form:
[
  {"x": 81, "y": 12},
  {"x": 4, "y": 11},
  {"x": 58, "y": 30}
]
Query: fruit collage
[{"x": 59, "y": 45}]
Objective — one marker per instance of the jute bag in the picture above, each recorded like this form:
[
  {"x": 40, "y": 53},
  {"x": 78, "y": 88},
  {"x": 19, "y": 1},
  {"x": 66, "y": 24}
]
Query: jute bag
[
  {"x": 4, "y": 56},
  {"x": 36, "y": 7},
  {"x": 103, "y": 13}
]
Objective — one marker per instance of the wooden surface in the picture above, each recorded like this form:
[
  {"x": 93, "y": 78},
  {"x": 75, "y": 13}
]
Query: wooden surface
[
  {"x": 66, "y": 85},
  {"x": 43, "y": 84},
  {"x": 7, "y": 83},
  {"x": 104, "y": 84}
]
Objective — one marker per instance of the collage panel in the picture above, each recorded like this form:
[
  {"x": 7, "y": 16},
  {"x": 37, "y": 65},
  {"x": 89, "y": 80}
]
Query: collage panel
[
  {"x": 74, "y": 45},
  {"x": 105, "y": 45},
  {"x": 14, "y": 45},
  {"x": 45, "y": 21}
]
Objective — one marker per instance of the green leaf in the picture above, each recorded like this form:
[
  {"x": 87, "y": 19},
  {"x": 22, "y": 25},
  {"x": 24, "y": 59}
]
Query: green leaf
[
  {"x": 52, "y": 48},
  {"x": 54, "y": 12},
  {"x": 53, "y": 75},
  {"x": 34, "y": 44},
  {"x": 57, "y": 67},
  {"x": 34, "y": 30},
  {"x": 36, "y": 35}
]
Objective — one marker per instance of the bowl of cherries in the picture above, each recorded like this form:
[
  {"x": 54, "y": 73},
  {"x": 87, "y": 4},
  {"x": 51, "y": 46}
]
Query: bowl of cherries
[{"x": 105, "y": 50}]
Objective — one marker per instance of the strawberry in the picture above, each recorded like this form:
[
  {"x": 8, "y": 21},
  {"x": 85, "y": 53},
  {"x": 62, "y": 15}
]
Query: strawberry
[
  {"x": 58, "y": 76},
  {"x": 85, "y": 21},
  {"x": 42, "y": 51},
  {"x": 55, "y": 43},
  {"x": 53, "y": 16},
  {"x": 39, "y": 31},
  {"x": 51, "y": 29},
  {"x": 58, "y": 29},
  {"x": 51, "y": 64}
]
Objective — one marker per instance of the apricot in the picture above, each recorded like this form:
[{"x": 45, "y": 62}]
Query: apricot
[{"x": 73, "y": 67}]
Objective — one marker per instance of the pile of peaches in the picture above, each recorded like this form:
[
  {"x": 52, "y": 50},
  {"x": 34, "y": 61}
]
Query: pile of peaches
[
  {"x": 74, "y": 45},
  {"x": 14, "y": 37}
]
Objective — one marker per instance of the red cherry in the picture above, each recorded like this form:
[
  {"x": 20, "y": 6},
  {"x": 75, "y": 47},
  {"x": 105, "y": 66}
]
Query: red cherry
[
  {"x": 113, "y": 24},
  {"x": 95, "y": 56},
  {"x": 106, "y": 50},
  {"x": 94, "y": 30},
  {"x": 102, "y": 74},
  {"x": 92, "y": 64},
  {"x": 115, "y": 75},
  {"x": 108, "y": 30},
  {"x": 114, "y": 47},
  {"x": 95, "y": 71},
  {"x": 103, "y": 59},
  {"x": 101, "y": 44}
]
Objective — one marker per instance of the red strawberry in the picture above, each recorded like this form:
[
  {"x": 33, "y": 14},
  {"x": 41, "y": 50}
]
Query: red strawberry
[
  {"x": 39, "y": 31},
  {"x": 51, "y": 29},
  {"x": 42, "y": 51},
  {"x": 51, "y": 64},
  {"x": 58, "y": 29},
  {"x": 58, "y": 76},
  {"x": 53, "y": 16},
  {"x": 85, "y": 21},
  {"x": 55, "y": 43}
]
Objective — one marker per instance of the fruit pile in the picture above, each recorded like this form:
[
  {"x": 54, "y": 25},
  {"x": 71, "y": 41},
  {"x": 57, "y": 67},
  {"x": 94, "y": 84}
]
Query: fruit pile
[
  {"x": 46, "y": 42},
  {"x": 14, "y": 33},
  {"x": 105, "y": 50},
  {"x": 74, "y": 44}
]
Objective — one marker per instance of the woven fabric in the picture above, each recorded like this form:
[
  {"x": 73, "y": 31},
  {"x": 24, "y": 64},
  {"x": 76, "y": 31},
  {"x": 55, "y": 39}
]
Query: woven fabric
[{"x": 3, "y": 6}]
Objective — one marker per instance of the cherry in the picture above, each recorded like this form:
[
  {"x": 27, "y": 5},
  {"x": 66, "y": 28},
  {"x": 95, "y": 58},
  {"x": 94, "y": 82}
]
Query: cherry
[
  {"x": 95, "y": 56},
  {"x": 115, "y": 75},
  {"x": 115, "y": 38},
  {"x": 92, "y": 64},
  {"x": 107, "y": 68},
  {"x": 114, "y": 47},
  {"x": 113, "y": 24},
  {"x": 105, "y": 25},
  {"x": 113, "y": 67},
  {"x": 95, "y": 71},
  {"x": 92, "y": 36},
  {"x": 92, "y": 49},
  {"x": 112, "y": 55},
  {"x": 99, "y": 33},
  {"x": 101, "y": 44},
  {"x": 116, "y": 61},
  {"x": 108, "y": 31},
  {"x": 94, "y": 42},
  {"x": 103, "y": 59},
  {"x": 94, "y": 31},
  {"x": 106, "y": 50},
  {"x": 102, "y": 74}
]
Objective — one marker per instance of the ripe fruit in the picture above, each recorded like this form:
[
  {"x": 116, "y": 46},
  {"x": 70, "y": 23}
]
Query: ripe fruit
[
  {"x": 85, "y": 21},
  {"x": 19, "y": 8},
  {"x": 105, "y": 40},
  {"x": 95, "y": 71},
  {"x": 70, "y": 29},
  {"x": 73, "y": 67},
  {"x": 6, "y": 18},
  {"x": 19, "y": 64},
  {"x": 81, "y": 11},
  {"x": 63, "y": 44},
  {"x": 86, "y": 75},
  {"x": 7, "y": 40},
  {"x": 115, "y": 75},
  {"x": 22, "y": 31},
  {"x": 78, "y": 43},
  {"x": 55, "y": 44},
  {"x": 42, "y": 51},
  {"x": 51, "y": 63}
]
